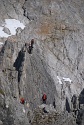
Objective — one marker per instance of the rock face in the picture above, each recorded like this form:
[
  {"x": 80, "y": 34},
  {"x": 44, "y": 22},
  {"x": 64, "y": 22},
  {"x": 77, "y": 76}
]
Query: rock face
[{"x": 54, "y": 67}]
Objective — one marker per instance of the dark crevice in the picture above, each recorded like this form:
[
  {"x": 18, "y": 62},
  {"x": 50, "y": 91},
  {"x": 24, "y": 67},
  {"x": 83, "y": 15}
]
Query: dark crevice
[
  {"x": 81, "y": 97},
  {"x": 67, "y": 106},
  {"x": 18, "y": 64},
  {"x": 26, "y": 14},
  {"x": 80, "y": 117},
  {"x": 81, "y": 108},
  {"x": 74, "y": 101}
]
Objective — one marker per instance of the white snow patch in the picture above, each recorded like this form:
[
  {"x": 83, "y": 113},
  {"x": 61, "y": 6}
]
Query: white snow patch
[
  {"x": 28, "y": 105},
  {"x": 60, "y": 82},
  {"x": 2, "y": 33},
  {"x": 1, "y": 43},
  {"x": 67, "y": 79},
  {"x": 7, "y": 106},
  {"x": 12, "y": 25},
  {"x": 23, "y": 110}
]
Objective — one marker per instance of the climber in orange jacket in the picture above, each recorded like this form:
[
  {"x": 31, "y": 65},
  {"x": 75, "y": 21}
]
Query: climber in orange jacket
[{"x": 44, "y": 98}]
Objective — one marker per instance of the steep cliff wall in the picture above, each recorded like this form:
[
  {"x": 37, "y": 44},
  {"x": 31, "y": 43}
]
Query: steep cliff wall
[{"x": 55, "y": 66}]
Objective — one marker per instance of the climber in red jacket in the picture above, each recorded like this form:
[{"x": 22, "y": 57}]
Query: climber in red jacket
[
  {"x": 22, "y": 100},
  {"x": 44, "y": 98}
]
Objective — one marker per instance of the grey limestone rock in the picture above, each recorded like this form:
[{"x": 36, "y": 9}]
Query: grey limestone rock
[
  {"x": 55, "y": 65},
  {"x": 6, "y": 30},
  {"x": 1, "y": 123}
]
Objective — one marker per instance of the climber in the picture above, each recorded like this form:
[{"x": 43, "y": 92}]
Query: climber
[
  {"x": 44, "y": 97},
  {"x": 31, "y": 46},
  {"x": 22, "y": 100},
  {"x": 32, "y": 43},
  {"x": 75, "y": 104},
  {"x": 54, "y": 103},
  {"x": 30, "y": 49},
  {"x": 26, "y": 44},
  {"x": 74, "y": 101},
  {"x": 79, "y": 117}
]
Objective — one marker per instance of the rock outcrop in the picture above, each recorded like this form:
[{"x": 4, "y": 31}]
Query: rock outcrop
[{"x": 54, "y": 67}]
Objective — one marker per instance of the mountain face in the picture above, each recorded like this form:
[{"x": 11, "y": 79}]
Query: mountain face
[{"x": 54, "y": 65}]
